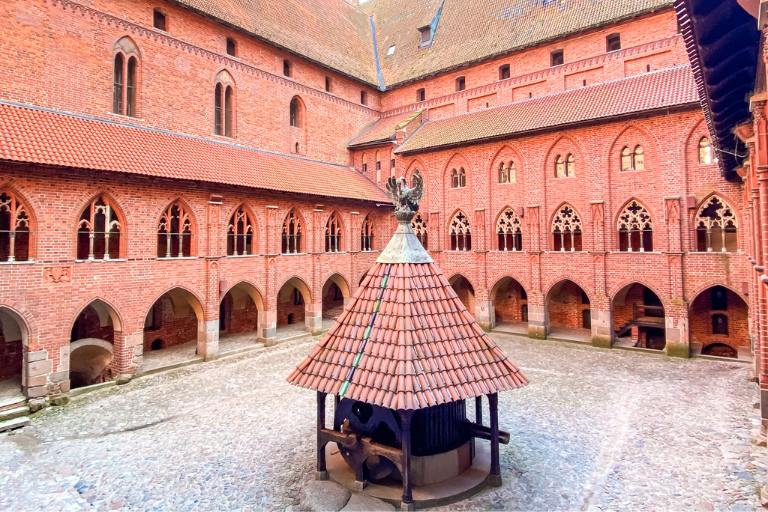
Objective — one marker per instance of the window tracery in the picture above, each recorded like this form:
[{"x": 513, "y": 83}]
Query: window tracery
[
  {"x": 461, "y": 235},
  {"x": 98, "y": 231},
  {"x": 716, "y": 226},
  {"x": 566, "y": 230},
  {"x": 174, "y": 232},
  {"x": 509, "y": 231},
  {"x": 635, "y": 228},
  {"x": 14, "y": 229},
  {"x": 240, "y": 233}
]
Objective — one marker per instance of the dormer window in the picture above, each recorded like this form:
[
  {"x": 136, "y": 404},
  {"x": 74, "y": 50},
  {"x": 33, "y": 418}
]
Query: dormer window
[
  {"x": 557, "y": 58},
  {"x": 391, "y": 50},
  {"x": 231, "y": 47},
  {"x": 425, "y": 36},
  {"x": 159, "y": 20}
]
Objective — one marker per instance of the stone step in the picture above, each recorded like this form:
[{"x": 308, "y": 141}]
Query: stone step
[
  {"x": 21, "y": 421},
  {"x": 16, "y": 412},
  {"x": 12, "y": 402}
]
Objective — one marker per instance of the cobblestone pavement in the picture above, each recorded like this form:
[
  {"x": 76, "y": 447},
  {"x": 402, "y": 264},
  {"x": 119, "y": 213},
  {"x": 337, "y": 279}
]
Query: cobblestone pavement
[{"x": 595, "y": 430}]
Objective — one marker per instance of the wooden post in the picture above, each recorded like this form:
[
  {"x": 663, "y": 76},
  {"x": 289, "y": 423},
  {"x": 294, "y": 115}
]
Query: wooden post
[
  {"x": 322, "y": 472},
  {"x": 494, "y": 478},
  {"x": 479, "y": 410},
  {"x": 407, "y": 502}
]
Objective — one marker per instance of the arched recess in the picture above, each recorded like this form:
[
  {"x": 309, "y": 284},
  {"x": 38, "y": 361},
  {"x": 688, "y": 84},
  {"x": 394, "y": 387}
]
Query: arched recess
[
  {"x": 568, "y": 311},
  {"x": 715, "y": 225},
  {"x": 560, "y": 151},
  {"x": 506, "y": 167},
  {"x": 294, "y": 304},
  {"x": 631, "y": 137},
  {"x": 638, "y": 317},
  {"x": 241, "y": 315},
  {"x": 457, "y": 177},
  {"x": 175, "y": 321},
  {"x": 92, "y": 342},
  {"x": 14, "y": 340},
  {"x": 335, "y": 295},
  {"x": 101, "y": 229},
  {"x": 510, "y": 304},
  {"x": 634, "y": 227},
  {"x": 297, "y": 113},
  {"x": 718, "y": 320},
  {"x": 464, "y": 290},
  {"x": 177, "y": 231},
  {"x": 17, "y": 227}
]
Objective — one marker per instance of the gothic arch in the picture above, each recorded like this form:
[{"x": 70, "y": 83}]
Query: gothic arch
[
  {"x": 415, "y": 164},
  {"x": 193, "y": 224},
  {"x": 562, "y": 144},
  {"x": 703, "y": 288},
  {"x": 22, "y": 323},
  {"x": 616, "y": 291},
  {"x": 646, "y": 139},
  {"x": 128, "y": 46},
  {"x": 234, "y": 231},
  {"x": 251, "y": 289},
  {"x": 562, "y": 279},
  {"x": 24, "y": 217},
  {"x": 502, "y": 280},
  {"x": 119, "y": 212},
  {"x": 103, "y": 308},
  {"x": 504, "y": 153},
  {"x": 191, "y": 297},
  {"x": 300, "y": 285}
]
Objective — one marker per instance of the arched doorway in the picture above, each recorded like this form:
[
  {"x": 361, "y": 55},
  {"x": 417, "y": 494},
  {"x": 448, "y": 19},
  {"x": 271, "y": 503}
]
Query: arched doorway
[
  {"x": 465, "y": 291},
  {"x": 637, "y": 315},
  {"x": 510, "y": 306},
  {"x": 718, "y": 322},
  {"x": 174, "y": 330},
  {"x": 294, "y": 302},
  {"x": 240, "y": 318},
  {"x": 335, "y": 294},
  {"x": 13, "y": 339},
  {"x": 569, "y": 312},
  {"x": 91, "y": 345}
]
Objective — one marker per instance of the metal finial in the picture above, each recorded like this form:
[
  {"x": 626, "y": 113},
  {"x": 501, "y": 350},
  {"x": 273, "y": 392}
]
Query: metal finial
[{"x": 406, "y": 199}]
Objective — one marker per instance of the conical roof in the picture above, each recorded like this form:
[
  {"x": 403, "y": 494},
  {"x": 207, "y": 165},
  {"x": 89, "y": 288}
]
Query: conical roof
[{"x": 406, "y": 341}]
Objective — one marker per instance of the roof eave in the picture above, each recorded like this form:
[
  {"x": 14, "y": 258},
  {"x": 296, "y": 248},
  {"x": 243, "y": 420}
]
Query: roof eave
[{"x": 493, "y": 138}]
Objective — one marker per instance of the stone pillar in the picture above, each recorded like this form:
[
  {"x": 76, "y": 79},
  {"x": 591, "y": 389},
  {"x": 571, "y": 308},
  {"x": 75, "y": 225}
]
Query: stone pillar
[
  {"x": 134, "y": 346},
  {"x": 676, "y": 331},
  {"x": 270, "y": 324},
  {"x": 208, "y": 339},
  {"x": 313, "y": 317},
  {"x": 602, "y": 330},
  {"x": 36, "y": 374},
  {"x": 538, "y": 320}
]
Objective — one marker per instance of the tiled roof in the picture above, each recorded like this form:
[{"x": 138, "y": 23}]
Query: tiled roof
[
  {"x": 406, "y": 341},
  {"x": 331, "y": 32},
  {"x": 472, "y": 30},
  {"x": 672, "y": 87},
  {"x": 384, "y": 129},
  {"x": 35, "y": 135}
]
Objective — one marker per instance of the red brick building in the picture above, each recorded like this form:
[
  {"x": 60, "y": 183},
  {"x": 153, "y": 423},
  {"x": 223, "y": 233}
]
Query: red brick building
[{"x": 194, "y": 170}]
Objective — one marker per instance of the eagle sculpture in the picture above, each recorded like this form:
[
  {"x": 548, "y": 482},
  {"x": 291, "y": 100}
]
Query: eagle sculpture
[{"x": 406, "y": 199}]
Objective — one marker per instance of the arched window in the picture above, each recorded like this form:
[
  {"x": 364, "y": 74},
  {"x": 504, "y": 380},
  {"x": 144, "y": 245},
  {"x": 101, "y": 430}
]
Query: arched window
[
  {"x": 705, "y": 151},
  {"x": 566, "y": 230},
  {"x": 174, "y": 232},
  {"x": 333, "y": 234},
  {"x": 635, "y": 228},
  {"x": 559, "y": 167},
  {"x": 461, "y": 236},
  {"x": 366, "y": 235},
  {"x": 419, "y": 227},
  {"x": 458, "y": 178},
  {"x": 224, "y": 109},
  {"x": 633, "y": 160},
  {"x": 291, "y": 235},
  {"x": 296, "y": 112},
  {"x": 509, "y": 231},
  {"x": 240, "y": 232},
  {"x": 719, "y": 324},
  {"x": 98, "y": 231},
  {"x": 507, "y": 172},
  {"x": 570, "y": 165},
  {"x": 716, "y": 227},
  {"x": 125, "y": 73},
  {"x": 14, "y": 229}
]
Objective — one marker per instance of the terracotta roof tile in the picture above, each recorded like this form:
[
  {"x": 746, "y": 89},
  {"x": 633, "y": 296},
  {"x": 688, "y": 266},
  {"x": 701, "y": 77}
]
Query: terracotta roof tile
[
  {"x": 671, "y": 87},
  {"x": 36, "y": 135},
  {"x": 385, "y": 128},
  {"x": 408, "y": 362}
]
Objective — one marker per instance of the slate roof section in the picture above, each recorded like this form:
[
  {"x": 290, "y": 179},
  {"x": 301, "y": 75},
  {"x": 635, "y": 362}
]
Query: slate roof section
[
  {"x": 474, "y": 30},
  {"x": 331, "y": 32},
  {"x": 669, "y": 88},
  {"x": 41, "y": 136},
  {"x": 384, "y": 129},
  {"x": 407, "y": 342}
]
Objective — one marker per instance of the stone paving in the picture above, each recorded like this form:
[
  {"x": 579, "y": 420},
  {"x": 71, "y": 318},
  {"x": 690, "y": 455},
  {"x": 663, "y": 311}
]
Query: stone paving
[{"x": 595, "y": 430}]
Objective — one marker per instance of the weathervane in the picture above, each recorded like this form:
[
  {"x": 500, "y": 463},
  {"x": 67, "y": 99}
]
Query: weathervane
[{"x": 406, "y": 199}]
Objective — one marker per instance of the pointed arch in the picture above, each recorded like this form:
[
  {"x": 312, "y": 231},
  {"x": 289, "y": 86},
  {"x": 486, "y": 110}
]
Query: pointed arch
[
  {"x": 567, "y": 232},
  {"x": 419, "y": 227},
  {"x": 459, "y": 231},
  {"x": 367, "y": 234},
  {"x": 176, "y": 231},
  {"x": 297, "y": 112},
  {"x": 716, "y": 225},
  {"x": 241, "y": 232},
  {"x": 224, "y": 104},
  {"x": 17, "y": 227},
  {"x": 101, "y": 229},
  {"x": 559, "y": 152},
  {"x": 335, "y": 294},
  {"x": 509, "y": 230},
  {"x": 634, "y": 225},
  {"x": 292, "y": 233},
  {"x": 126, "y": 68},
  {"x": 456, "y": 171},
  {"x": 241, "y": 310},
  {"x": 334, "y": 233},
  {"x": 633, "y": 149}
]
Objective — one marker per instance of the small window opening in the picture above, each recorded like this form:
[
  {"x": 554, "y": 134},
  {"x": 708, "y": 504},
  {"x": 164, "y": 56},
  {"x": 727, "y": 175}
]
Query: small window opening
[
  {"x": 286, "y": 67},
  {"x": 363, "y": 97},
  {"x": 504, "y": 72},
  {"x": 613, "y": 43},
  {"x": 421, "y": 94},
  {"x": 648, "y": 68},
  {"x": 231, "y": 47},
  {"x": 327, "y": 84},
  {"x": 425, "y": 35},
  {"x": 159, "y": 20},
  {"x": 461, "y": 83},
  {"x": 556, "y": 58}
]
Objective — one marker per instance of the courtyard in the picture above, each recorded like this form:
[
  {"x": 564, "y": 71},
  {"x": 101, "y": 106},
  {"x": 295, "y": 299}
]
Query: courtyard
[{"x": 595, "y": 430}]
